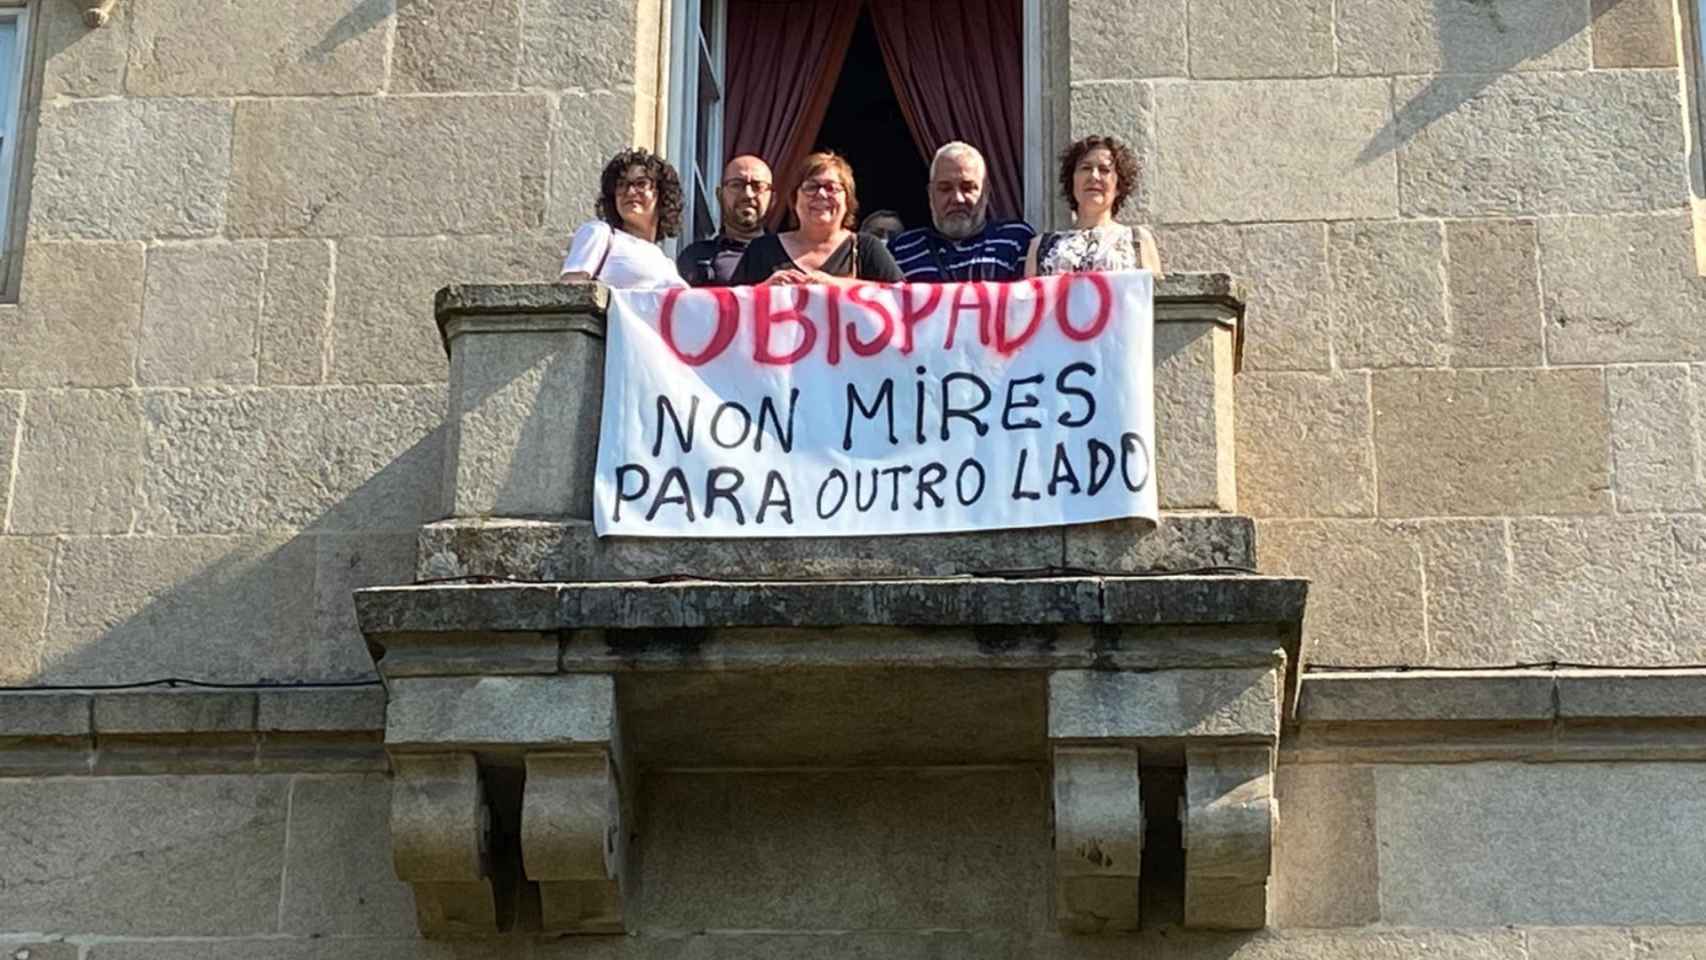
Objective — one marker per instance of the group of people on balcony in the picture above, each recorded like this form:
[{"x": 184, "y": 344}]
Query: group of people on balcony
[{"x": 640, "y": 204}]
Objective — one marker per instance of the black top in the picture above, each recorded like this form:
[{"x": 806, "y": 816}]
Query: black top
[
  {"x": 861, "y": 256},
  {"x": 710, "y": 262}
]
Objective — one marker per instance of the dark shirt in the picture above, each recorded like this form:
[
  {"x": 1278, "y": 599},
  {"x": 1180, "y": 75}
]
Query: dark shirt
[
  {"x": 861, "y": 256},
  {"x": 998, "y": 253},
  {"x": 710, "y": 262}
]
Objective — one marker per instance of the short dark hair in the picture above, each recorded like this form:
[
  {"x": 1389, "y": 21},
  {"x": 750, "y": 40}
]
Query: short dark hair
[
  {"x": 1125, "y": 167},
  {"x": 818, "y": 162},
  {"x": 668, "y": 184}
]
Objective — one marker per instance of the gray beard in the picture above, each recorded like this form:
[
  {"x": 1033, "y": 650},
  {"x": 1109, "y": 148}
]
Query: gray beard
[{"x": 959, "y": 226}]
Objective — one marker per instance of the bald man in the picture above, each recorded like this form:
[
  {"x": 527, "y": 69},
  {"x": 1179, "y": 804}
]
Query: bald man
[
  {"x": 963, "y": 242},
  {"x": 744, "y": 197}
]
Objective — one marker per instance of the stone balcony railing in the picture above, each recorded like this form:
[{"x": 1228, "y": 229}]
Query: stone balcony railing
[{"x": 537, "y": 672}]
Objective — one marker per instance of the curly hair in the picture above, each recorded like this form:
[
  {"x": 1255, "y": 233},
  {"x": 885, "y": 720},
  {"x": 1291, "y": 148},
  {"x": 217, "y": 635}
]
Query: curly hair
[
  {"x": 1125, "y": 168},
  {"x": 816, "y": 163},
  {"x": 668, "y": 187}
]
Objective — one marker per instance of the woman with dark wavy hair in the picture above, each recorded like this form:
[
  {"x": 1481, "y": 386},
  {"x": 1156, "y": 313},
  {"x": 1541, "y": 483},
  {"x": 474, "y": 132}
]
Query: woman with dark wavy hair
[
  {"x": 1097, "y": 175},
  {"x": 639, "y": 203}
]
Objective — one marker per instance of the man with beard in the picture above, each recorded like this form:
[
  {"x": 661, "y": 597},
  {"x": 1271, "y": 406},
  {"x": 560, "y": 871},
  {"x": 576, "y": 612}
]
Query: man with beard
[
  {"x": 964, "y": 243},
  {"x": 744, "y": 196}
]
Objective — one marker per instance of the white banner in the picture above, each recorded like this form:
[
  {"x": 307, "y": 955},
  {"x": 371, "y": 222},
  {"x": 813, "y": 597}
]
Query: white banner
[{"x": 819, "y": 411}]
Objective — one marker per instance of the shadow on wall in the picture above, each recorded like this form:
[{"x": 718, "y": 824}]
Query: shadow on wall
[
  {"x": 364, "y": 17},
  {"x": 344, "y": 476},
  {"x": 1480, "y": 40},
  {"x": 245, "y": 607}
]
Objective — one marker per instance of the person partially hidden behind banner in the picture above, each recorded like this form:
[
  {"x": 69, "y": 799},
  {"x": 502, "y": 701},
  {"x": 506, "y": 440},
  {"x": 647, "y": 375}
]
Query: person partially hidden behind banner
[
  {"x": 822, "y": 247},
  {"x": 639, "y": 203},
  {"x": 964, "y": 243},
  {"x": 1097, "y": 175},
  {"x": 744, "y": 196}
]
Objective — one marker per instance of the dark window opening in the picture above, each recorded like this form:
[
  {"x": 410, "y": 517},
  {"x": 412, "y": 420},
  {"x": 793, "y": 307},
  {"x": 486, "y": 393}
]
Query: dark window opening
[
  {"x": 1161, "y": 881},
  {"x": 865, "y": 125}
]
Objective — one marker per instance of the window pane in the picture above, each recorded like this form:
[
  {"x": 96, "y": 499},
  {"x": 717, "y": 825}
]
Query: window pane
[
  {"x": 702, "y": 140},
  {"x": 1700, "y": 27},
  {"x": 11, "y": 86},
  {"x": 9, "y": 75},
  {"x": 703, "y": 224},
  {"x": 710, "y": 82}
]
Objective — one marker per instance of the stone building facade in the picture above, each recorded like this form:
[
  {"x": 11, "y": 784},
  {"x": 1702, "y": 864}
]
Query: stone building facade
[{"x": 1471, "y": 410}]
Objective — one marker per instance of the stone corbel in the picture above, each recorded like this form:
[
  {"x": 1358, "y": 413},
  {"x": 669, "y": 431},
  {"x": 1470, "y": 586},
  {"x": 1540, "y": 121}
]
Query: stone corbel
[
  {"x": 1098, "y": 839},
  {"x": 573, "y": 840},
  {"x": 574, "y": 815},
  {"x": 1227, "y": 815},
  {"x": 1227, "y": 721},
  {"x": 440, "y": 842},
  {"x": 96, "y": 13}
]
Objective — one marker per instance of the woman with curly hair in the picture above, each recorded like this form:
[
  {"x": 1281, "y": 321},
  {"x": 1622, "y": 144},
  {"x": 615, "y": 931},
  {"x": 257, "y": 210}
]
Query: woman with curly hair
[
  {"x": 1097, "y": 175},
  {"x": 822, "y": 247},
  {"x": 639, "y": 203}
]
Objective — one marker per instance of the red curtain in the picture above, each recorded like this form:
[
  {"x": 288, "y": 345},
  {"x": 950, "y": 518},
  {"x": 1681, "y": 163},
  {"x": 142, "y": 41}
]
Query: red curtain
[
  {"x": 769, "y": 112},
  {"x": 958, "y": 69}
]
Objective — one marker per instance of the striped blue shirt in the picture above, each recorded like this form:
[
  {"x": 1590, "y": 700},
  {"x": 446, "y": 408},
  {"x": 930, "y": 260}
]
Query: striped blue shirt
[{"x": 998, "y": 253}]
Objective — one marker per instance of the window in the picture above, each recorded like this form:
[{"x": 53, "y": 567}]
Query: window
[
  {"x": 693, "y": 122},
  {"x": 16, "y": 126},
  {"x": 696, "y": 134},
  {"x": 1692, "y": 24}
]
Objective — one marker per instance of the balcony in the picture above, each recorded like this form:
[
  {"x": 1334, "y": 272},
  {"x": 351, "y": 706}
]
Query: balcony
[{"x": 538, "y": 675}]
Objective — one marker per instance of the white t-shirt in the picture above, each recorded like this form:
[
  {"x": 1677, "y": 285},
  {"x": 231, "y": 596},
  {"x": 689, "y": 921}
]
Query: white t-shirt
[{"x": 632, "y": 263}]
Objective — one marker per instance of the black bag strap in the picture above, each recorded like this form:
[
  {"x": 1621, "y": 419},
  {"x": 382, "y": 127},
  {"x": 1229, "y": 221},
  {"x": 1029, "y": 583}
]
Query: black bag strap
[{"x": 608, "y": 243}]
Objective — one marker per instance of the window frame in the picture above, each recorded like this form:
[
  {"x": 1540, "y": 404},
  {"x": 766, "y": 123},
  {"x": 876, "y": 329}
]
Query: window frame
[
  {"x": 688, "y": 116},
  {"x": 18, "y": 154},
  {"x": 1042, "y": 28},
  {"x": 1690, "y": 21}
]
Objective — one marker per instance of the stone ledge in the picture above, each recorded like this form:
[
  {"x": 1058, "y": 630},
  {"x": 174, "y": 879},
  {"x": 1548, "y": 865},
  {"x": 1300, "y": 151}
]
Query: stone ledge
[
  {"x": 192, "y": 730},
  {"x": 1566, "y": 695},
  {"x": 31, "y": 713},
  {"x": 438, "y": 713},
  {"x": 1100, "y": 705},
  {"x": 253, "y": 719},
  {"x": 512, "y": 302},
  {"x": 1192, "y": 296},
  {"x": 1007, "y": 648},
  {"x": 957, "y": 602},
  {"x": 505, "y": 299},
  {"x": 176, "y": 754},
  {"x": 565, "y": 550},
  {"x": 1097, "y": 623}
]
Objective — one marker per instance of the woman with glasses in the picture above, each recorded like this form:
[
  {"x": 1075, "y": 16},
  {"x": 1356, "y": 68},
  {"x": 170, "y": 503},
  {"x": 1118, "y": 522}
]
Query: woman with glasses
[
  {"x": 822, "y": 246},
  {"x": 639, "y": 203}
]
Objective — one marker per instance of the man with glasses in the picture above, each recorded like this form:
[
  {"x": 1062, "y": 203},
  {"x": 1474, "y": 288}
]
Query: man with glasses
[
  {"x": 963, "y": 243},
  {"x": 744, "y": 196}
]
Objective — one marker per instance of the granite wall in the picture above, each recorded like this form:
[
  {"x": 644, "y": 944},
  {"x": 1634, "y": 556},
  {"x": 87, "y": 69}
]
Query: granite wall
[
  {"x": 1472, "y": 408},
  {"x": 1473, "y": 405}
]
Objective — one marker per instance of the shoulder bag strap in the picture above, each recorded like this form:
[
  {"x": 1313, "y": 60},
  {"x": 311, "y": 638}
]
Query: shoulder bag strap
[{"x": 610, "y": 241}]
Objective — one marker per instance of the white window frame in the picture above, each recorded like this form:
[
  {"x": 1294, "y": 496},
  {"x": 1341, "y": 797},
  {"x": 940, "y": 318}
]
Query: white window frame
[
  {"x": 694, "y": 58},
  {"x": 682, "y": 114}
]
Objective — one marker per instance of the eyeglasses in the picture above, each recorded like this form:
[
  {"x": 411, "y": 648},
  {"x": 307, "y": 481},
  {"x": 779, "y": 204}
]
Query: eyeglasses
[
  {"x": 755, "y": 187},
  {"x": 642, "y": 184},
  {"x": 829, "y": 188}
]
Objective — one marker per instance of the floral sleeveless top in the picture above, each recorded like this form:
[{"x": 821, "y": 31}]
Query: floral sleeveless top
[{"x": 1105, "y": 248}]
